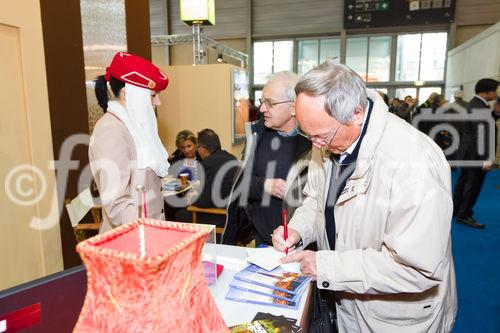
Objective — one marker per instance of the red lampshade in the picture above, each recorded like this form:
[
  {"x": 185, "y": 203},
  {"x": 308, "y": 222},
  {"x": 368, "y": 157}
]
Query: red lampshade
[{"x": 154, "y": 285}]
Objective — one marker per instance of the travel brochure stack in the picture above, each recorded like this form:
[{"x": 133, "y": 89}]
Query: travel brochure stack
[{"x": 277, "y": 287}]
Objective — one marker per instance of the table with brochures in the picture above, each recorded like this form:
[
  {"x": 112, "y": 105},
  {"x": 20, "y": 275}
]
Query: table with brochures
[
  {"x": 54, "y": 302},
  {"x": 233, "y": 258}
]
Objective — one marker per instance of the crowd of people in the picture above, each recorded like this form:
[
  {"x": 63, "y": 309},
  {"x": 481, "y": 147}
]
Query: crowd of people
[
  {"x": 471, "y": 177},
  {"x": 368, "y": 197}
]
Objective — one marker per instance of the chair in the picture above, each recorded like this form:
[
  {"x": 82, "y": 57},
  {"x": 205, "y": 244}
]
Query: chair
[
  {"x": 214, "y": 211},
  {"x": 78, "y": 209}
]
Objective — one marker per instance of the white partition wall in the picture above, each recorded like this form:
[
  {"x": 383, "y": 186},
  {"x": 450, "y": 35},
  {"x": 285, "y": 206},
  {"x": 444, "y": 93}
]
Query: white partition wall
[{"x": 477, "y": 58}]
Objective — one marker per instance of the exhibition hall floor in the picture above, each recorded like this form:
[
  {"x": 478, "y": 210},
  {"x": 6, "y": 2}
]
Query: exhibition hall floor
[{"x": 477, "y": 263}]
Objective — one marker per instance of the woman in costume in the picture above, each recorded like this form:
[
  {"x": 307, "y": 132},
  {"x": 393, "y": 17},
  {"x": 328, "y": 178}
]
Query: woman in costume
[{"x": 125, "y": 150}]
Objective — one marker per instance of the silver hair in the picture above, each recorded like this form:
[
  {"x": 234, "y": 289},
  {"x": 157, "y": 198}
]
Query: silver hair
[
  {"x": 288, "y": 79},
  {"x": 344, "y": 90}
]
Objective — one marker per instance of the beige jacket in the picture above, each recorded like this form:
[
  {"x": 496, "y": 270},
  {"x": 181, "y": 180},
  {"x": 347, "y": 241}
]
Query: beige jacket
[
  {"x": 392, "y": 266},
  {"x": 112, "y": 157}
]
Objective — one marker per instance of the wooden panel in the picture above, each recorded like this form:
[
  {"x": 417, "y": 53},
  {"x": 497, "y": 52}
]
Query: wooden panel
[
  {"x": 230, "y": 19},
  {"x": 63, "y": 46},
  {"x": 29, "y": 232},
  {"x": 138, "y": 31},
  {"x": 296, "y": 17},
  {"x": 193, "y": 102},
  {"x": 472, "y": 12},
  {"x": 15, "y": 152}
]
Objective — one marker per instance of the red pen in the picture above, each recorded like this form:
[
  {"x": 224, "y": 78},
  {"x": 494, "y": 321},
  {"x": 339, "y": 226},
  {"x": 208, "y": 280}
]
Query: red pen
[
  {"x": 145, "y": 208},
  {"x": 285, "y": 227}
]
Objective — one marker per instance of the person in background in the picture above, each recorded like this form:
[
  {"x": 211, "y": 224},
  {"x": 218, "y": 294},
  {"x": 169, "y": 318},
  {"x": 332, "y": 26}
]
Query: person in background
[
  {"x": 496, "y": 116},
  {"x": 471, "y": 179},
  {"x": 436, "y": 102},
  {"x": 395, "y": 103},
  {"x": 409, "y": 100},
  {"x": 253, "y": 111},
  {"x": 427, "y": 103},
  {"x": 185, "y": 159},
  {"x": 378, "y": 204},
  {"x": 275, "y": 158},
  {"x": 125, "y": 149},
  {"x": 459, "y": 98},
  {"x": 405, "y": 109},
  {"x": 220, "y": 168}
]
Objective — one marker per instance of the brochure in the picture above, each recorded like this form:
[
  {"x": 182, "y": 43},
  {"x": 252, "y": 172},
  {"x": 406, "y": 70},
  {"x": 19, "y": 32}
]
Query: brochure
[
  {"x": 254, "y": 288},
  {"x": 249, "y": 297},
  {"x": 264, "y": 326},
  {"x": 279, "y": 279},
  {"x": 284, "y": 324}
]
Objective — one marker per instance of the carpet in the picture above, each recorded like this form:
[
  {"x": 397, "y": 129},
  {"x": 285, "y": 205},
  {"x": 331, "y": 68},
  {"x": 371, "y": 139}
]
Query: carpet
[{"x": 477, "y": 263}]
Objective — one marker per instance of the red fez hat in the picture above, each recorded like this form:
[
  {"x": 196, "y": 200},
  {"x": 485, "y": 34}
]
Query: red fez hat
[{"x": 138, "y": 71}]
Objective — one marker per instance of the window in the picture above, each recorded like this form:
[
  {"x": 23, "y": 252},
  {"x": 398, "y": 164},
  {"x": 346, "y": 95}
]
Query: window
[
  {"x": 329, "y": 49},
  {"x": 262, "y": 61},
  {"x": 313, "y": 52},
  {"x": 379, "y": 62},
  {"x": 401, "y": 93},
  {"x": 421, "y": 57},
  {"x": 407, "y": 58},
  {"x": 357, "y": 49},
  {"x": 308, "y": 55},
  {"x": 271, "y": 57},
  {"x": 370, "y": 57},
  {"x": 425, "y": 92},
  {"x": 258, "y": 96},
  {"x": 433, "y": 56},
  {"x": 392, "y": 63}
]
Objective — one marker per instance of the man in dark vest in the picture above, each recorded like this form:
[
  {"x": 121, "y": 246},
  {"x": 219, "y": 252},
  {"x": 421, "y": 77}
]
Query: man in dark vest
[{"x": 275, "y": 158}]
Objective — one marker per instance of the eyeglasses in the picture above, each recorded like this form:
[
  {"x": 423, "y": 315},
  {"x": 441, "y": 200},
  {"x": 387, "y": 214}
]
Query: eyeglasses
[
  {"x": 320, "y": 142},
  {"x": 269, "y": 104}
]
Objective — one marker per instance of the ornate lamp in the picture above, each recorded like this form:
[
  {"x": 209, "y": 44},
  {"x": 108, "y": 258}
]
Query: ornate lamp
[{"x": 146, "y": 276}]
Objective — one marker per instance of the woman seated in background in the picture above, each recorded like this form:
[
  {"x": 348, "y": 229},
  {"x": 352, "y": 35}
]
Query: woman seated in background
[
  {"x": 185, "y": 159},
  {"x": 125, "y": 150}
]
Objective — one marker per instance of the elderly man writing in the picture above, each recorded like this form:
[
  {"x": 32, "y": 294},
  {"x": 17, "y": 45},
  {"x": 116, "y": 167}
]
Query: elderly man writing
[{"x": 378, "y": 204}]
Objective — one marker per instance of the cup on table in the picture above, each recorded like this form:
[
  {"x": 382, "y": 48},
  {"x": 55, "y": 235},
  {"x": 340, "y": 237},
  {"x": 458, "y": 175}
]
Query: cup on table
[{"x": 184, "y": 178}]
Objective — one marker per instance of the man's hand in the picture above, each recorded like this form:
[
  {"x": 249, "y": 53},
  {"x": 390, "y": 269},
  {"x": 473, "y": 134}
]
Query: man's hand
[
  {"x": 279, "y": 242},
  {"x": 307, "y": 260},
  {"x": 487, "y": 165},
  {"x": 275, "y": 187}
]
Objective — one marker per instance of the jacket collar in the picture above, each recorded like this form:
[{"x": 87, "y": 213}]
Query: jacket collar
[
  {"x": 374, "y": 133},
  {"x": 485, "y": 102}
]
